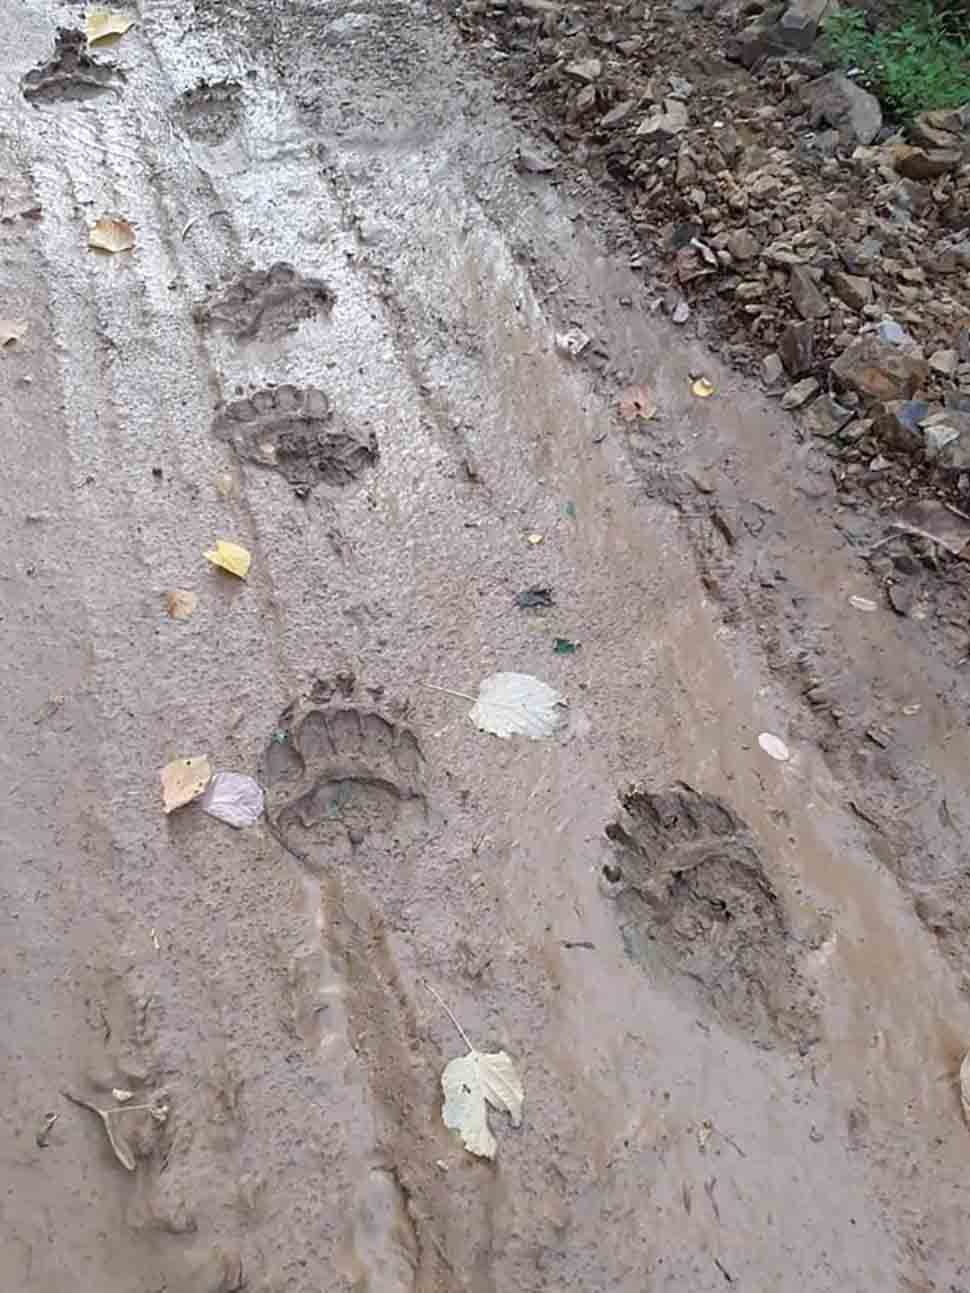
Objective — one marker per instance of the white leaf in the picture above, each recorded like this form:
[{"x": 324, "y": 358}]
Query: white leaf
[
  {"x": 774, "y": 747},
  {"x": 516, "y": 704},
  {"x": 468, "y": 1083},
  {"x": 965, "y": 1087},
  {"x": 233, "y": 798}
]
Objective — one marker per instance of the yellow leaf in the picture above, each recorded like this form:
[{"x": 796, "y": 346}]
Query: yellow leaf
[
  {"x": 111, "y": 233},
  {"x": 703, "y": 388},
  {"x": 12, "y": 330},
  {"x": 180, "y": 603},
  {"x": 184, "y": 780},
  {"x": 99, "y": 24},
  {"x": 230, "y": 556}
]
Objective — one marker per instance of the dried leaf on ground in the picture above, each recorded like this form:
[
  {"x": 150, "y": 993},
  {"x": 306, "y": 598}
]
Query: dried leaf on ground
[
  {"x": 11, "y": 331},
  {"x": 703, "y": 388},
  {"x": 472, "y": 1082},
  {"x": 535, "y": 599},
  {"x": 184, "y": 780},
  {"x": 111, "y": 233},
  {"x": 180, "y": 603},
  {"x": 99, "y": 24},
  {"x": 635, "y": 402},
  {"x": 233, "y": 798},
  {"x": 230, "y": 556},
  {"x": 965, "y": 1087},
  {"x": 774, "y": 747},
  {"x": 516, "y": 704}
]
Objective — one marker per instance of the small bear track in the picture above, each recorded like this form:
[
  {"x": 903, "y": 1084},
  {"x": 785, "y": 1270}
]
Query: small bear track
[
  {"x": 265, "y": 304},
  {"x": 338, "y": 776},
  {"x": 697, "y": 909},
  {"x": 291, "y": 430},
  {"x": 71, "y": 74},
  {"x": 211, "y": 111}
]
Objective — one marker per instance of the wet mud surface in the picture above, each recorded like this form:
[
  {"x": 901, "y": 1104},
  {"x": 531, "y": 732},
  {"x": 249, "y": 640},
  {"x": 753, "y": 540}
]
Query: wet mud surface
[{"x": 736, "y": 997}]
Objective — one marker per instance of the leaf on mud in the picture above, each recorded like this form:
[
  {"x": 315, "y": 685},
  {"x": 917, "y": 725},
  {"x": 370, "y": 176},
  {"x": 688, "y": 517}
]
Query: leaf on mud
[
  {"x": 470, "y": 1083},
  {"x": 703, "y": 388},
  {"x": 111, "y": 233},
  {"x": 774, "y": 747},
  {"x": 233, "y": 798},
  {"x": 12, "y": 330},
  {"x": 184, "y": 780},
  {"x": 180, "y": 603},
  {"x": 230, "y": 556},
  {"x": 99, "y": 24},
  {"x": 516, "y": 704},
  {"x": 534, "y": 599},
  {"x": 965, "y": 1087},
  {"x": 636, "y": 403}
]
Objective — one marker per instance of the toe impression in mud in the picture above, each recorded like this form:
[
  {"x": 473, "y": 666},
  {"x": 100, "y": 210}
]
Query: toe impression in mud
[{"x": 698, "y": 910}]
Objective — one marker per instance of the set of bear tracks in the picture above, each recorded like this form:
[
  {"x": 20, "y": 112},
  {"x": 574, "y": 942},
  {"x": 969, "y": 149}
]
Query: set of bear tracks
[{"x": 288, "y": 429}]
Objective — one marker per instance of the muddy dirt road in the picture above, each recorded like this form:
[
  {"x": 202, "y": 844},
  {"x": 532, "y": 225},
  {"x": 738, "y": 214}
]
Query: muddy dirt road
[{"x": 735, "y": 993}]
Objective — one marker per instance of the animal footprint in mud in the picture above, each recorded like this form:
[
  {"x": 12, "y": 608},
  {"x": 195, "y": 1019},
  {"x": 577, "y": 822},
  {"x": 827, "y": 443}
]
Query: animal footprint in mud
[
  {"x": 71, "y": 74},
  {"x": 697, "y": 909},
  {"x": 339, "y": 776},
  {"x": 210, "y": 111},
  {"x": 265, "y": 304},
  {"x": 292, "y": 431}
]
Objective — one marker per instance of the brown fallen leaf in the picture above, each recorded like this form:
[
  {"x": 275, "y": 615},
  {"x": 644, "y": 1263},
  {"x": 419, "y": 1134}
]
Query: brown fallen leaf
[
  {"x": 184, "y": 780},
  {"x": 111, "y": 233},
  {"x": 12, "y": 330},
  {"x": 180, "y": 603},
  {"x": 965, "y": 1087},
  {"x": 99, "y": 24},
  {"x": 636, "y": 403}
]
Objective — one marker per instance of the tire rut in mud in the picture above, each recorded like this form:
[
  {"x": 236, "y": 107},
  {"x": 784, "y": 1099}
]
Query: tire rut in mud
[
  {"x": 71, "y": 74},
  {"x": 698, "y": 910},
  {"x": 346, "y": 795},
  {"x": 291, "y": 430}
]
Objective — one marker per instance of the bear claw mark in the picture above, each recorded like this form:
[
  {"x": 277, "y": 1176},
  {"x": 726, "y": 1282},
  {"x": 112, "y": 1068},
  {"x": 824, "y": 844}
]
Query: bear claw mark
[
  {"x": 291, "y": 430},
  {"x": 265, "y": 303},
  {"x": 697, "y": 907},
  {"x": 339, "y": 775},
  {"x": 71, "y": 74}
]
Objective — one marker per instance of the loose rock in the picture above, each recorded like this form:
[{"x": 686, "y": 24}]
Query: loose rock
[{"x": 879, "y": 370}]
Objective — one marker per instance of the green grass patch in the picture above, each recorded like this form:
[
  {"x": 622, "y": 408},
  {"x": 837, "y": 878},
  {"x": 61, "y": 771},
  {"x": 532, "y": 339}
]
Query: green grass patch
[{"x": 921, "y": 62}]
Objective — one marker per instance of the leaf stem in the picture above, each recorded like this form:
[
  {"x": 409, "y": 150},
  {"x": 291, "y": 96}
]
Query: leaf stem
[{"x": 441, "y": 1002}]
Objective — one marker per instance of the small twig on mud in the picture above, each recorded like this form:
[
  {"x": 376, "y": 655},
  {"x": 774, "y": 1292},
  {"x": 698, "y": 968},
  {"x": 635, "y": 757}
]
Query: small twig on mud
[
  {"x": 724, "y": 1271},
  {"x": 461, "y": 1032},
  {"x": 196, "y": 219},
  {"x": 42, "y": 1136},
  {"x": 448, "y": 691},
  {"x": 578, "y": 942},
  {"x": 733, "y": 1143},
  {"x": 121, "y": 1153}
]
